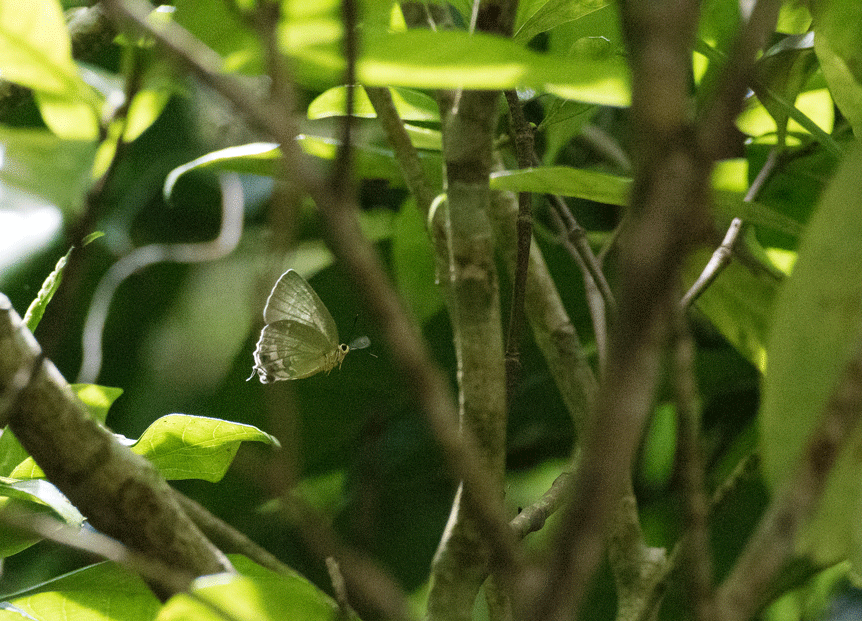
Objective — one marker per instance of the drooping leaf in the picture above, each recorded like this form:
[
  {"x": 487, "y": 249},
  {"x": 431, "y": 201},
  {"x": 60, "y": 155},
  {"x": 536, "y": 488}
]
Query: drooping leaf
[
  {"x": 261, "y": 158},
  {"x": 816, "y": 328},
  {"x": 33, "y": 496},
  {"x": 257, "y": 158},
  {"x": 195, "y": 447}
]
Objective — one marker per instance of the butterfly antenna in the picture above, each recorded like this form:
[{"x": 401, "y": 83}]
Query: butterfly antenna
[{"x": 360, "y": 342}]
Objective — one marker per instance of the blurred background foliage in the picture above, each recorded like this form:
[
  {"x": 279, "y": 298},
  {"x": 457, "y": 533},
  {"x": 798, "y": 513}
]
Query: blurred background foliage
[{"x": 179, "y": 338}]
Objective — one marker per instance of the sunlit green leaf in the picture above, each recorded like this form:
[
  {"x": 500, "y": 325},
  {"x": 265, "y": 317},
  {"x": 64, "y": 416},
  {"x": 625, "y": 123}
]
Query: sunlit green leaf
[
  {"x": 411, "y": 105},
  {"x": 145, "y": 108},
  {"x": 261, "y": 158},
  {"x": 35, "y": 50},
  {"x": 816, "y": 328},
  {"x": 103, "y": 591},
  {"x": 33, "y": 496},
  {"x": 45, "y": 493},
  {"x": 254, "y": 595},
  {"x": 195, "y": 447},
  {"x": 97, "y": 399},
  {"x": 838, "y": 43},
  {"x": 455, "y": 59},
  {"x": 68, "y": 117},
  {"x": 256, "y": 158}
]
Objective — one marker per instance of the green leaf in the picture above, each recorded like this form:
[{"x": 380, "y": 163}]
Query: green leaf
[
  {"x": 411, "y": 105},
  {"x": 222, "y": 29},
  {"x": 542, "y": 15},
  {"x": 413, "y": 263},
  {"x": 37, "y": 307},
  {"x": 44, "y": 493},
  {"x": 195, "y": 447},
  {"x": 565, "y": 181},
  {"x": 35, "y": 50},
  {"x": 145, "y": 108},
  {"x": 614, "y": 190},
  {"x": 256, "y": 594},
  {"x": 257, "y": 158},
  {"x": 98, "y": 399},
  {"x": 816, "y": 328},
  {"x": 39, "y": 162},
  {"x": 457, "y": 59},
  {"x": 738, "y": 303},
  {"x": 32, "y": 496},
  {"x": 260, "y": 159},
  {"x": 104, "y": 591},
  {"x": 838, "y": 43},
  {"x": 12, "y": 454},
  {"x": 92, "y": 237}
]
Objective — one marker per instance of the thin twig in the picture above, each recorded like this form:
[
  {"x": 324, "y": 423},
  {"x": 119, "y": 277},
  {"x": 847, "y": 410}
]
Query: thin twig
[
  {"x": 227, "y": 538},
  {"x": 722, "y": 256},
  {"x": 365, "y": 583},
  {"x": 405, "y": 153},
  {"x": 522, "y": 138},
  {"x": 746, "y": 468},
  {"x": 342, "y": 173},
  {"x": 532, "y": 519},
  {"x": 577, "y": 236},
  {"x": 595, "y": 302},
  {"x": 698, "y": 566},
  {"x": 716, "y": 264}
]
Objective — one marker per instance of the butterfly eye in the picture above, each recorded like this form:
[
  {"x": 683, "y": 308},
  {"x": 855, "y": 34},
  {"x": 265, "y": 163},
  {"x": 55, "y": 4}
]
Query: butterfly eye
[{"x": 344, "y": 348}]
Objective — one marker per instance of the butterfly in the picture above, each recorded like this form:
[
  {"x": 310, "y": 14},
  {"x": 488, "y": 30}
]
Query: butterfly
[{"x": 300, "y": 337}]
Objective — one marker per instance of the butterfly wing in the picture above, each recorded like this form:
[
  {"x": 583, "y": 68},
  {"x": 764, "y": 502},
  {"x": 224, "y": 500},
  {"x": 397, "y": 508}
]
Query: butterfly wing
[
  {"x": 300, "y": 337},
  {"x": 292, "y": 298},
  {"x": 290, "y": 350}
]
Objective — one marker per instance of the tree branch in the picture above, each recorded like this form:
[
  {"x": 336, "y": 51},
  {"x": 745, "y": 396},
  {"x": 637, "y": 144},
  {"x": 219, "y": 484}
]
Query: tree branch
[
  {"x": 120, "y": 493},
  {"x": 772, "y": 545},
  {"x": 522, "y": 138}
]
